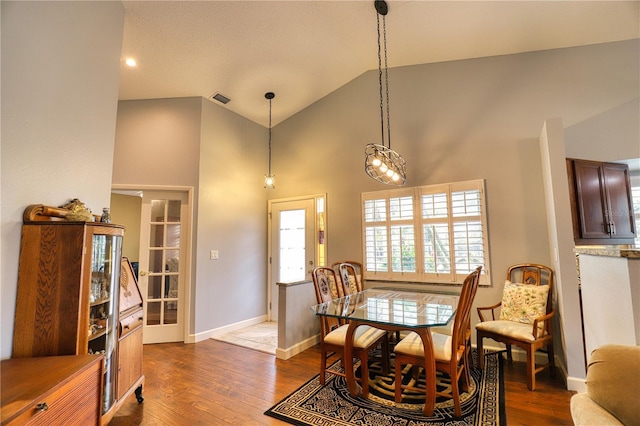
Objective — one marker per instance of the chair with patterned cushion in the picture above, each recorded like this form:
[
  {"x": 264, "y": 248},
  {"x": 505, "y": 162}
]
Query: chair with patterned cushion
[
  {"x": 525, "y": 317},
  {"x": 333, "y": 333},
  {"x": 449, "y": 350}
]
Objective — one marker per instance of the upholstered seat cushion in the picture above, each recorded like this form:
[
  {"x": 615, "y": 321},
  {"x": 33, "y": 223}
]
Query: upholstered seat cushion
[
  {"x": 513, "y": 329},
  {"x": 364, "y": 336},
  {"x": 444, "y": 329},
  {"x": 412, "y": 345}
]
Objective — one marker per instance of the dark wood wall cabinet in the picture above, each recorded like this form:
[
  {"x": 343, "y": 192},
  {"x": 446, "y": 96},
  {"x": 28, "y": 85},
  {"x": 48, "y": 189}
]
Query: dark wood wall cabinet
[
  {"x": 69, "y": 295},
  {"x": 601, "y": 203}
]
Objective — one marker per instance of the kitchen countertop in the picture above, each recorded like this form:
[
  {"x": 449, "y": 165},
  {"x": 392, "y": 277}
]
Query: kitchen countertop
[{"x": 631, "y": 253}]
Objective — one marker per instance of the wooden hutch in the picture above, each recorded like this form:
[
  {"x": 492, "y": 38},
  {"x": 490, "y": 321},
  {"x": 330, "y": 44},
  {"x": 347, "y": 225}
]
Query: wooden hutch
[{"x": 77, "y": 295}]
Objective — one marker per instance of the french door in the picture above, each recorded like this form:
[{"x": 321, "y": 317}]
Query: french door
[{"x": 163, "y": 265}]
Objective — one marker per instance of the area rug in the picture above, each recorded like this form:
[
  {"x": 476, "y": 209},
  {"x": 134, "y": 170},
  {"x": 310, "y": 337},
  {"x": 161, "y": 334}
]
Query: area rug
[{"x": 332, "y": 405}]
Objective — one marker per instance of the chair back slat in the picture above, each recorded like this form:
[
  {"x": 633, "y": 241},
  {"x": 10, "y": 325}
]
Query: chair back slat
[
  {"x": 322, "y": 277},
  {"x": 355, "y": 271},
  {"x": 348, "y": 274},
  {"x": 463, "y": 312}
]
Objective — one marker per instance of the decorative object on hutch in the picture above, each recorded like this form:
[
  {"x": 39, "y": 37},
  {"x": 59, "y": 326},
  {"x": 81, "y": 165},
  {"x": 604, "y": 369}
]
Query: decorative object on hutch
[
  {"x": 601, "y": 203},
  {"x": 68, "y": 292},
  {"x": 269, "y": 179},
  {"x": 106, "y": 215},
  {"x": 58, "y": 390},
  {"x": 381, "y": 162}
]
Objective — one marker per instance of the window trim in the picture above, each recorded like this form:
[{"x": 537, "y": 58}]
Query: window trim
[{"x": 417, "y": 221}]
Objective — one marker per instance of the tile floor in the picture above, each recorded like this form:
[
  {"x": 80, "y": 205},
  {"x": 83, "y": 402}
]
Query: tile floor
[{"x": 261, "y": 337}]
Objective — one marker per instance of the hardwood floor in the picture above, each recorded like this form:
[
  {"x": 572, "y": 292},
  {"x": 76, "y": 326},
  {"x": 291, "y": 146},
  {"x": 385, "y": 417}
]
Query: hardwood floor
[{"x": 216, "y": 383}]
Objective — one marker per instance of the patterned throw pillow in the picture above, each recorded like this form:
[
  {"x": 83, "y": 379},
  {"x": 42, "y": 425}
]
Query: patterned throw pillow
[{"x": 523, "y": 302}]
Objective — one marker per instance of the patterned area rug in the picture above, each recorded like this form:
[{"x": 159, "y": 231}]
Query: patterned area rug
[{"x": 331, "y": 404}]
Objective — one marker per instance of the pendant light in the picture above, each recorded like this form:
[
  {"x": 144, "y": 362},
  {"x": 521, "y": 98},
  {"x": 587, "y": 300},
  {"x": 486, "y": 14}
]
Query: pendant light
[
  {"x": 381, "y": 162},
  {"x": 269, "y": 179}
]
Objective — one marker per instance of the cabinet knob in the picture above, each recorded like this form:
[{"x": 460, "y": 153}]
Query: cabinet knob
[{"x": 42, "y": 406}]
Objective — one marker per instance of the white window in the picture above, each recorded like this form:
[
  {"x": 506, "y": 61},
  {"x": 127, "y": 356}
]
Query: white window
[{"x": 431, "y": 234}]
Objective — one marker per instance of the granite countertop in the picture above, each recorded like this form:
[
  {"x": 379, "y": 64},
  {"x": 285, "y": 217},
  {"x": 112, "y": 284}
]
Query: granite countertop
[{"x": 631, "y": 253}]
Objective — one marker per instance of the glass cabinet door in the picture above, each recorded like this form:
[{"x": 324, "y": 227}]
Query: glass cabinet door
[{"x": 103, "y": 315}]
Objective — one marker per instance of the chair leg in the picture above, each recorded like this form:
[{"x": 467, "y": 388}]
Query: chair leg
[
  {"x": 455, "y": 391},
  {"x": 323, "y": 366},
  {"x": 509, "y": 356},
  {"x": 531, "y": 368},
  {"x": 364, "y": 368},
  {"x": 398, "y": 381},
  {"x": 466, "y": 380},
  {"x": 480, "y": 352},
  {"x": 385, "y": 356},
  {"x": 552, "y": 360}
]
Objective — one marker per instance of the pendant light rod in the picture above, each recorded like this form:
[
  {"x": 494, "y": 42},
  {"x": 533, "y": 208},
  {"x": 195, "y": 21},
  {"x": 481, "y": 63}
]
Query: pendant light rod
[
  {"x": 269, "y": 180},
  {"x": 269, "y": 96}
]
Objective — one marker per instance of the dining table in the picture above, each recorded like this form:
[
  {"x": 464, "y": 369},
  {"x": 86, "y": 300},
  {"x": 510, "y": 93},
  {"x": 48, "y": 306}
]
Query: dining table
[{"x": 393, "y": 310}]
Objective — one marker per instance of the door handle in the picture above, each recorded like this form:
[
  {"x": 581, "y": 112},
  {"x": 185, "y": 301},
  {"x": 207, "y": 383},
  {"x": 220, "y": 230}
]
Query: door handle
[{"x": 143, "y": 273}]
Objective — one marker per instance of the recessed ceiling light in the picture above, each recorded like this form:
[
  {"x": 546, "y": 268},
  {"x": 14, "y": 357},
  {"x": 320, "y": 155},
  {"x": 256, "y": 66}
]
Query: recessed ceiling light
[{"x": 131, "y": 62}]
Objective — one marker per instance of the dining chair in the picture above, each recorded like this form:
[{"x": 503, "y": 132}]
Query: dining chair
[
  {"x": 449, "y": 350},
  {"x": 448, "y": 330},
  {"x": 525, "y": 317},
  {"x": 349, "y": 277},
  {"x": 351, "y": 273},
  {"x": 333, "y": 333}
]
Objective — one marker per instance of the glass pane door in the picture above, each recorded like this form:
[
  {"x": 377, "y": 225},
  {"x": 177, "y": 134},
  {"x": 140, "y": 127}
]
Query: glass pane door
[
  {"x": 162, "y": 276},
  {"x": 103, "y": 314}
]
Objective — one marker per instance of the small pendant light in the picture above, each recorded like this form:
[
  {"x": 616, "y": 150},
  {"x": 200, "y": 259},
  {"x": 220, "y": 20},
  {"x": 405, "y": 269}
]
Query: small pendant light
[{"x": 269, "y": 179}]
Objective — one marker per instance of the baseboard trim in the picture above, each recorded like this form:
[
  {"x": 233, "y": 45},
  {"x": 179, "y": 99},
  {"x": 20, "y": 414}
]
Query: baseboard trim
[
  {"x": 204, "y": 335},
  {"x": 297, "y": 348}
]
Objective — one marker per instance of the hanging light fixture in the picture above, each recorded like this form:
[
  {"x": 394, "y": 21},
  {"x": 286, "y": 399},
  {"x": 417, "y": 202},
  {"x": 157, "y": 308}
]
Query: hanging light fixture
[
  {"x": 269, "y": 179},
  {"x": 382, "y": 163}
]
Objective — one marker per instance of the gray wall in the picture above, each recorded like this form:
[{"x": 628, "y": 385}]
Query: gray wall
[
  {"x": 60, "y": 74},
  {"x": 479, "y": 118},
  {"x": 193, "y": 142},
  {"x": 232, "y": 218}
]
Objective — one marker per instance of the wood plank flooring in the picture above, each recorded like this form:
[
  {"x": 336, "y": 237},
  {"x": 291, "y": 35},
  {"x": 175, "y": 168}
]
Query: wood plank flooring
[{"x": 216, "y": 383}]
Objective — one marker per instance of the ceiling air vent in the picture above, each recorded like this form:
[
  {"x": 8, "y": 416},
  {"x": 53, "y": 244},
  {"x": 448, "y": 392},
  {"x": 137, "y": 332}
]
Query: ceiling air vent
[{"x": 220, "y": 98}]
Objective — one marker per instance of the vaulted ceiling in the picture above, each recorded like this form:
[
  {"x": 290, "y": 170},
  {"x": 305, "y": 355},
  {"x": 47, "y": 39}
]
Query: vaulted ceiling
[{"x": 304, "y": 50}]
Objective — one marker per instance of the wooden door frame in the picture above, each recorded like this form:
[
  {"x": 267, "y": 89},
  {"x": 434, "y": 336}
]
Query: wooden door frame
[{"x": 187, "y": 234}]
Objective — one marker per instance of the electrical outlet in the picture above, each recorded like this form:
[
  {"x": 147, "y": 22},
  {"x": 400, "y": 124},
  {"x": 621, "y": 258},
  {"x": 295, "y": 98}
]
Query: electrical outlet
[{"x": 213, "y": 254}]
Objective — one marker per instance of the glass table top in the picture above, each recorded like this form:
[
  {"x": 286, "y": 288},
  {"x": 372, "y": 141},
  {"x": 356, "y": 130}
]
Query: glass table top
[{"x": 403, "y": 308}]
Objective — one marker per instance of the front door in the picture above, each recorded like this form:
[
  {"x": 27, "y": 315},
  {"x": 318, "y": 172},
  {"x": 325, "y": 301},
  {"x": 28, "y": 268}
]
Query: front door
[
  {"x": 163, "y": 265},
  {"x": 292, "y": 245}
]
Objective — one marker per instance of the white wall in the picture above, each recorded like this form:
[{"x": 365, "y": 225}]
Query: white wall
[{"x": 60, "y": 76}]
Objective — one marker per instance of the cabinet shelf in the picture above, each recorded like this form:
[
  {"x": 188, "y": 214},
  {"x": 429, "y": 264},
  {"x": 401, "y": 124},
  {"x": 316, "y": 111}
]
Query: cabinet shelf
[{"x": 100, "y": 302}]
